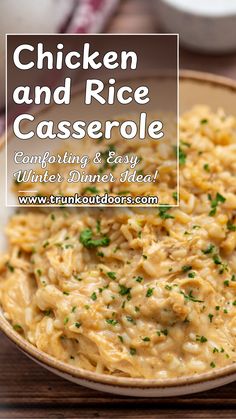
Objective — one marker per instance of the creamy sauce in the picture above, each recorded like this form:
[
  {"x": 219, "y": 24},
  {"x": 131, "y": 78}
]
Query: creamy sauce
[{"x": 148, "y": 293}]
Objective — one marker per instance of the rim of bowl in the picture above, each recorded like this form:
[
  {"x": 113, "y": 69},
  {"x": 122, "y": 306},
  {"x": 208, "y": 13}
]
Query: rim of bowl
[
  {"x": 201, "y": 13},
  {"x": 111, "y": 380}
]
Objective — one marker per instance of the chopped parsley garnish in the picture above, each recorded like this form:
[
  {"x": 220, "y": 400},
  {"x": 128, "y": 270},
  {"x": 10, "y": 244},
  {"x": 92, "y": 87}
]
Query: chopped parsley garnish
[
  {"x": 98, "y": 226},
  {"x": 214, "y": 202},
  {"x": 53, "y": 217},
  {"x": 162, "y": 332},
  {"x": 190, "y": 297},
  {"x": 192, "y": 274},
  {"x": 201, "y": 339},
  {"x": 132, "y": 351},
  {"x": 47, "y": 312},
  {"x": 130, "y": 319},
  {"x": 112, "y": 322},
  {"x": 116, "y": 249},
  {"x": 124, "y": 290},
  {"x": 66, "y": 320},
  {"x": 121, "y": 338},
  {"x": 10, "y": 267},
  {"x": 39, "y": 272},
  {"x": 111, "y": 275},
  {"x": 87, "y": 241},
  {"x": 220, "y": 198},
  {"x": 146, "y": 339},
  {"x": 186, "y": 268},
  {"x": 226, "y": 283},
  {"x": 231, "y": 226},
  {"x": 145, "y": 257},
  {"x": 69, "y": 246},
  {"x": 217, "y": 260},
  {"x": 93, "y": 296},
  {"x": 203, "y": 121},
  {"x": 175, "y": 196},
  {"x": 66, "y": 293},
  {"x": 17, "y": 327},
  {"x": 182, "y": 156},
  {"x": 210, "y": 317},
  {"x": 139, "y": 279},
  {"x": 212, "y": 364},
  {"x": 206, "y": 167},
  {"x": 73, "y": 309},
  {"x": 209, "y": 249},
  {"x": 185, "y": 143},
  {"x": 77, "y": 325},
  {"x": 91, "y": 189},
  {"x": 77, "y": 277},
  {"x": 163, "y": 212},
  {"x": 234, "y": 303},
  {"x": 168, "y": 287},
  {"x": 123, "y": 192},
  {"x": 149, "y": 292}
]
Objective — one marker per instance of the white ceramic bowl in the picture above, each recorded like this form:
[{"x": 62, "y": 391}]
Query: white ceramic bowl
[
  {"x": 195, "y": 88},
  {"x": 204, "y": 25}
]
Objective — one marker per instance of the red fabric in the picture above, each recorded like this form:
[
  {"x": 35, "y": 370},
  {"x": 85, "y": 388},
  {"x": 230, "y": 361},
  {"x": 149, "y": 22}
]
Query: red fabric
[{"x": 90, "y": 16}]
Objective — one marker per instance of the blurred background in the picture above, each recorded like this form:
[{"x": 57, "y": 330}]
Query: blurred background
[
  {"x": 207, "y": 28},
  {"x": 207, "y": 33}
]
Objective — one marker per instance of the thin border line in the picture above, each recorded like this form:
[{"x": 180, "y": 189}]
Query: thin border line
[
  {"x": 178, "y": 118},
  {"x": 86, "y": 35},
  {"x": 28, "y": 191},
  {"x": 92, "y": 34},
  {"x": 6, "y": 126}
]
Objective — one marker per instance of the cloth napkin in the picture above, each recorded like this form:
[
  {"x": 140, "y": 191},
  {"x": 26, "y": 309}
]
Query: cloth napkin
[{"x": 90, "y": 16}]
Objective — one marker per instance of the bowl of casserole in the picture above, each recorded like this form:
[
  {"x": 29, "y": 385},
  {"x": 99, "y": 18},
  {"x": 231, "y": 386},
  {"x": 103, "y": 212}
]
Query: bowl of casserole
[{"x": 137, "y": 303}]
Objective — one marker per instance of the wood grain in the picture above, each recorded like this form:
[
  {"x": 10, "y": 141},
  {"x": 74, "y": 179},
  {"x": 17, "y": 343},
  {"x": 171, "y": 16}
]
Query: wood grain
[
  {"x": 29, "y": 391},
  {"x": 115, "y": 413},
  {"x": 26, "y": 386}
]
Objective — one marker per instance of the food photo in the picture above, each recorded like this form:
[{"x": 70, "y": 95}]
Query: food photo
[{"x": 125, "y": 309}]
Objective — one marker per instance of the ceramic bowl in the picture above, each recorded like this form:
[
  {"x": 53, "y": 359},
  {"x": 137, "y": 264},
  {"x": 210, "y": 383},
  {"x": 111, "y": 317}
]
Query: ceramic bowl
[
  {"x": 195, "y": 88},
  {"x": 203, "y": 25}
]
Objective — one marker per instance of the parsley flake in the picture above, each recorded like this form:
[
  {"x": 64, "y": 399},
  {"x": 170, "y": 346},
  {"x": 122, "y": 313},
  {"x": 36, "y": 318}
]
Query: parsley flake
[{"x": 87, "y": 241}]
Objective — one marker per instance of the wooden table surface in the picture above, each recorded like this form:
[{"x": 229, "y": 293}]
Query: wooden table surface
[{"x": 29, "y": 391}]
